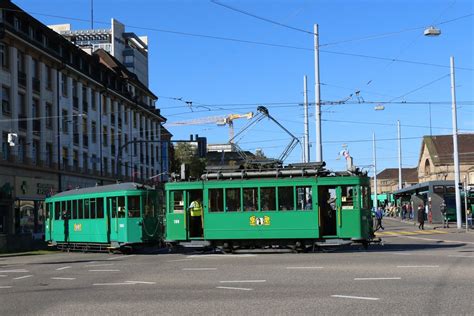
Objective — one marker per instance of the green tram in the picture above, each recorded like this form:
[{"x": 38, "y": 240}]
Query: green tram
[
  {"x": 118, "y": 216},
  {"x": 298, "y": 207}
]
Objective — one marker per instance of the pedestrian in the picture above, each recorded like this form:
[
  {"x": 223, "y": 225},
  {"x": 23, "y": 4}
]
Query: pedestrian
[
  {"x": 404, "y": 212},
  {"x": 421, "y": 217},
  {"x": 66, "y": 226},
  {"x": 444, "y": 214},
  {"x": 378, "y": 217},
  {"x": 195, "y": 212}
]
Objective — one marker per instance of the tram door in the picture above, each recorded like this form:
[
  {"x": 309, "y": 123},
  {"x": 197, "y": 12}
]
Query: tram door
[
  {"x": 329, "y": 210},
  {"x": 195, "y": 213},
  {"x": 176, "y": 222}
]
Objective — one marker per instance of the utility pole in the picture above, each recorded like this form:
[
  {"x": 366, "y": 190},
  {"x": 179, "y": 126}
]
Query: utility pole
[
  {"x": 319, "y": 146},
  {"x": 375, "y": 172},
  {"x": 306, "y": 123},
  {"x": 457, "y": 181},
  {"x": 399, "y": 156},
  {"x": 465, "y": 200}
]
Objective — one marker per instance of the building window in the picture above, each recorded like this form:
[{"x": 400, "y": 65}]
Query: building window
[
  {"x": 104, "y": 136},
  {"x": 104, "y": 105},
  {"x": 5, "y": 147},
  {"x": 65, "y": 121},
  {"x": 85, "y": 159},
  {"x": 35, "y": 76},
  {"x": 35, "y": 115},
  {"x": 105, "y": 166},
  {"x": 94, "y": 132},
  {"x": 6, "y": 108},
  {"x": 75, "y": 160},
  {"x": 4, "y": 56},
  {"x": 93, "y": 104},
  {"x": 35, "y": 152},
  {"x": 22, "y": 124},
  {"x": 21, "y": 149},
  {"x": 64, "y": 86},
  {"x": 94, "y": 162},
  {"x": 126, "y": 141},
  {"x": 48, "y": 74},
  {"x": 135, "y": 117},
  {"x": 49, "y": 155},
  {"x": 125, "y": 116},
  {"x": 427, "y": 168},
  {"x": 49, "y": 115},
  {"x": 65, "y": 157}
]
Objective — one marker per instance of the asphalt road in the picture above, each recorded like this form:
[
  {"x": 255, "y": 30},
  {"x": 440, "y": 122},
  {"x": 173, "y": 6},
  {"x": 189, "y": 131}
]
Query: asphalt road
[{"x": 413, "y": 272}]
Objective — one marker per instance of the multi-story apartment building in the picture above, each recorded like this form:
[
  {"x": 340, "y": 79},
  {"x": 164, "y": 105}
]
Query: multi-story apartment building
[
  {"x": 131, "y": 50},
  {"x": 80, "y": 120}
]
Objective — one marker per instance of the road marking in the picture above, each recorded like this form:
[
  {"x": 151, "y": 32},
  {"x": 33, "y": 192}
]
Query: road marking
[
  {"x": 222, "y": 256},
  {"x": 244, "y": 281},
  {"x": 460, "y": 256},
  {"x": 423, "y": 266},
  {"x": 199, "y": 269},
  {"x": 99, "y": 265},
  {"x": 401, "y": 253},
  {"x": 63, "y": 268},
  {"x": 234, "y": 288},
  {"x": 58, "y": 278},
  {"x": 2, "y": 275},
  {"x": 292, "y": 268},
  {"x": 357, "y": 297},
  {"x": 5, "y": 287},
  {"x": 105, "y": 270},
  {"x": 23, "y": 277},
  {"x": 367, "y": 279},
  {"x": 437, "y": 240},
  {"x": 14, "y": 271},
  {"x": 121, "y": 283},
  {"x": 140, "y": 282},
  {"x": 177, "y": 260}
]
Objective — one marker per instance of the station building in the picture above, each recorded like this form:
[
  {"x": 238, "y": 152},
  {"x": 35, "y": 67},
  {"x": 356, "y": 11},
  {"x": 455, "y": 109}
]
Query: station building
[{"x": 75, "y": 120}]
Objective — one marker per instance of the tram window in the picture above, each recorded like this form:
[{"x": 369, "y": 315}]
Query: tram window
[
  {"x": 80, "y": 210},
  {"x": 438, "y": 189},
  {"x": 304, "y": 196},
  {"x": 177, "y": 198},
  {"x": 121, "y": 206},
  {"x": 150, "y": 205},
  {"x": 216, "y": 200},
  {"x": 62, "y": 209},
  {"x": 57, "y": 210},
  {"x": 268, "y": 199},
  {"x": 347, "y": 197},
  {"x": 286, "y": 198},
  {"x": 100, "y": 207},
  {"x": 250, "y": 199},
  {"x": 88, "y": 206},
  {"x": 85, "y": 209},
  {"x": 365, "y": 197},
  {"x": 48, "y": 210},
  {"x": 112, "y": 203},
  {"x": 133, "y": 206},
  {"x": 232, "y": 200}
]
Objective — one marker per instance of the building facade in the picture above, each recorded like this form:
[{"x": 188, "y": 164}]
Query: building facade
[
  {"x": 436, "y": 160},
  {"x": 129, "y": 49},
  {"x": 75, "y": 120}
]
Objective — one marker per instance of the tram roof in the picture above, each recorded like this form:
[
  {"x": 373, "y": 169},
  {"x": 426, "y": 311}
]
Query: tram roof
[{"x": 127, "y": 186}]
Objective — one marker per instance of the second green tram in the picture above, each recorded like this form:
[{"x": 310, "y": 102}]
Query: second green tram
[
  {"x": 118, "y": 216},
  {"x": 286, "y": 207}
]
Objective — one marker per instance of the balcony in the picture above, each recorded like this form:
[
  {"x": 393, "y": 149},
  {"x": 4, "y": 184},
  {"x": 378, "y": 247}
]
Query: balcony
[{"x": 22, "y": 78}]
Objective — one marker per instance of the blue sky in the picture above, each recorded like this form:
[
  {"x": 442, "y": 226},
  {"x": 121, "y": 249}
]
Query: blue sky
[{"x": 358, "y": 41}]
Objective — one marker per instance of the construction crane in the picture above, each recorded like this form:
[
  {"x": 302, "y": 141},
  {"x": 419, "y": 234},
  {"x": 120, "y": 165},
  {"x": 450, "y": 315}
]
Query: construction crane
[{"x": 219, "y": 120}]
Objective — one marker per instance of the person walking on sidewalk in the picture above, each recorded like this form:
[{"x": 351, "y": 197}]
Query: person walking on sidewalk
[
  {"x": 444, "y": 213},
  {"x": 421, "y": 217},
  {"x": 378, "y": 217}
]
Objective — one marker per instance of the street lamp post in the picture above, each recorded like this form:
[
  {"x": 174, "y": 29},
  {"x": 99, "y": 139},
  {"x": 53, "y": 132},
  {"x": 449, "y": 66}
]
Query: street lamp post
[{"x": 319, "y": 146}]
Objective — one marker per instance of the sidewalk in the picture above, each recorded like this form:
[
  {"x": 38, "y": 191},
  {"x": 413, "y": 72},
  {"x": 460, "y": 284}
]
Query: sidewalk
[{"x": 452, "y": 225}]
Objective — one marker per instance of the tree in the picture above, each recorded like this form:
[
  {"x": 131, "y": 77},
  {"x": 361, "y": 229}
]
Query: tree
[{"x": 187, "y": 154}]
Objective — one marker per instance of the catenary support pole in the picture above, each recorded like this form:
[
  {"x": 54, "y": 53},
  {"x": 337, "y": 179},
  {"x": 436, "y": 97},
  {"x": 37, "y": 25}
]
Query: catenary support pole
[
  {"x": 319, "y": 146},
  {"x": 399, "y": 156},
  {"x": 375, "y": 172},
  {"x": 306, "y": 123},
  {"x": 457, "y": 180}
]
